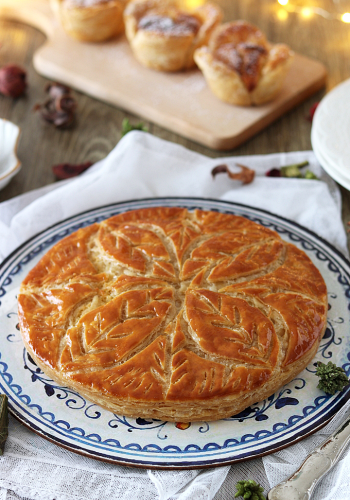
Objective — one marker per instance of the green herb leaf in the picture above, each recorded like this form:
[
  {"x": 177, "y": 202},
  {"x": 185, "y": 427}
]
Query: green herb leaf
[
  {"x": 4, "y": 422},
  {"x": 293, "y": 170},
  {"x": 310, "y": 175},
  {"x": 332, "y": 377},
  {"x": 249, "y": 490},
  {"x": 127, "y": 127}
]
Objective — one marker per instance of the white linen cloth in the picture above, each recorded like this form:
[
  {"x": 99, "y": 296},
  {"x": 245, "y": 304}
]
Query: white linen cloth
[{"x": 143, "y": 166}]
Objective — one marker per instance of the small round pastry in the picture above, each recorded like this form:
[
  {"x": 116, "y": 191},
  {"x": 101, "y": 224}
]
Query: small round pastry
[
  {"x": 90, "y": 20},
  {"x": 241, "y": 66},
  {"x": 173, "y": 314},
  {"x": 163, "y": 37}
]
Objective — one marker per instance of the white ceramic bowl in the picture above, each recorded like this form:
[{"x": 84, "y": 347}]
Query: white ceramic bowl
[{"x": 9, "y": 163}]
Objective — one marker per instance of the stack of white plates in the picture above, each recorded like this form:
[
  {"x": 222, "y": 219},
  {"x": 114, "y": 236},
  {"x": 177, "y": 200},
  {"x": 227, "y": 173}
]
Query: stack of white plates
[{"x": 330, "y": 133}]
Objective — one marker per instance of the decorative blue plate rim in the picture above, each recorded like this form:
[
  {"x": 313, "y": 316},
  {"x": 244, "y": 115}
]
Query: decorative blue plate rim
[{"x": 190, "y": 450}]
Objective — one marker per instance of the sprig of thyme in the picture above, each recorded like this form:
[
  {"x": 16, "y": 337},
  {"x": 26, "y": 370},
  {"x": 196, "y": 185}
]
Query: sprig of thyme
[
  {"x": 332, "y": 377},
  {"x": 249, "y": 490},
  {"x": 128, "y": 127}
]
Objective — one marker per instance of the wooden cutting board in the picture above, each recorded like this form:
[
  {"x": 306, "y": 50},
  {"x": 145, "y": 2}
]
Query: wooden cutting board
[{"x": 180, "y": 102}]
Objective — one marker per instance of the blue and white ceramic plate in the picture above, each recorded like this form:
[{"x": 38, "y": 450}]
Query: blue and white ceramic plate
[{"x": 67, "y": 419}]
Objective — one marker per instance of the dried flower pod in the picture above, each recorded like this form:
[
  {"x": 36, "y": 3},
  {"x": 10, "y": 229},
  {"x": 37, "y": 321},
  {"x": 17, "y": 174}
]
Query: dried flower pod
[
  {"x": 55, "y": 90},
  {"x": 67, "y": 170},
  {"x": 63, "y": 120},
  {"x": 274, "y": 172},
  {"x": 66, "y": 104},
  {"x": 246, "y": 175},
  {"x": 312, "y": 111},
  {"x": 60, "y": 108},
  {"x": 13, "y": 81}
]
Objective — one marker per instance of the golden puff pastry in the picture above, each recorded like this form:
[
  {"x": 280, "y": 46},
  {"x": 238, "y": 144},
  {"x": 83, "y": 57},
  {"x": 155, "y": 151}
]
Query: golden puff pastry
[
  {"x": 241, "y": 67},
  {"x": 163, "y": 37},
  {"x": 90, "y": 20},
  {"x": 170, "y": 314}
]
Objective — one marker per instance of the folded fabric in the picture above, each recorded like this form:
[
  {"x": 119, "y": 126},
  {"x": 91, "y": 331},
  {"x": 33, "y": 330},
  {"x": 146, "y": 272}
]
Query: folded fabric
[{"x": 143, "y": 166}]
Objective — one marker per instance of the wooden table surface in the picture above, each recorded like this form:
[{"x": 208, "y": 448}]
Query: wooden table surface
[{"x": 98, "y": 126}]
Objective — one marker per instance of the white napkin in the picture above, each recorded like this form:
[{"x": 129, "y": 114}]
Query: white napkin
[{"x": 143, "y": 166}]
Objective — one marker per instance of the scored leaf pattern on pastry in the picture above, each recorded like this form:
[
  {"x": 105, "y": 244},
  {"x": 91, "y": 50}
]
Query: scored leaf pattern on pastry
[{"x": 163, "y": 304}]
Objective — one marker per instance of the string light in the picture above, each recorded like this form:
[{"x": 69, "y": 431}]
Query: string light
[
  {"x": 308, "y": 11},
  {"x": 282, "y": 14},
  {"x": 192, "y": 4}
]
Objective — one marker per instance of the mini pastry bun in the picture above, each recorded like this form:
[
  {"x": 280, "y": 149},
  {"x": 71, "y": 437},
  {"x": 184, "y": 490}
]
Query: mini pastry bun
[
  {"x": 90, "y": 21},
  {"x": 163, "y": 37},
  {"x": 241, "y": 67}
]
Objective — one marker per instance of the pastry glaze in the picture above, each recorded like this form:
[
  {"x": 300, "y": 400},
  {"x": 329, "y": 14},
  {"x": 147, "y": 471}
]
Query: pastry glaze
[
  {"x": 241, "y": 66},
  {"x": 170, "y": 314},
  {"x": 90, "y": 21},
  {"x": 163, "y": 37}
]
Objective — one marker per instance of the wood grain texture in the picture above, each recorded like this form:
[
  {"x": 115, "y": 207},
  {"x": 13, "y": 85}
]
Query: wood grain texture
[{"x": 42, "y": 146}]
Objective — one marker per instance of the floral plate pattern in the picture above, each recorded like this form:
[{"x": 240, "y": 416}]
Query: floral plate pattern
[{"x": 69, "y": 420}]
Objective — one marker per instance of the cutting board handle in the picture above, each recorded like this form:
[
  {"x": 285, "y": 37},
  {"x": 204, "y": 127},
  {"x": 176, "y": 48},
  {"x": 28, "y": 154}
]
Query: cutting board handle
[{"x": 35, "y": 13}]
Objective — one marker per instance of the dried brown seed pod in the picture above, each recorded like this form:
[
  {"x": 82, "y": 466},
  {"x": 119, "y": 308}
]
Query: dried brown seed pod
[
  {"x": 246, "y": 175},
  {"x": 67, "y": 170},
  {"x": 55, "y": 89},
  {"x": 13, "y": 80},
  {"x": 60, "y": 107}
]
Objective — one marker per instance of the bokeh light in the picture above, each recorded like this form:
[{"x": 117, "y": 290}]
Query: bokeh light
[
  {"x": 282, "y": 14},
  {"x": 192, "y": 4},
  {"x": 306, "y": 12},
  {"x": 346, "y": 17}
]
